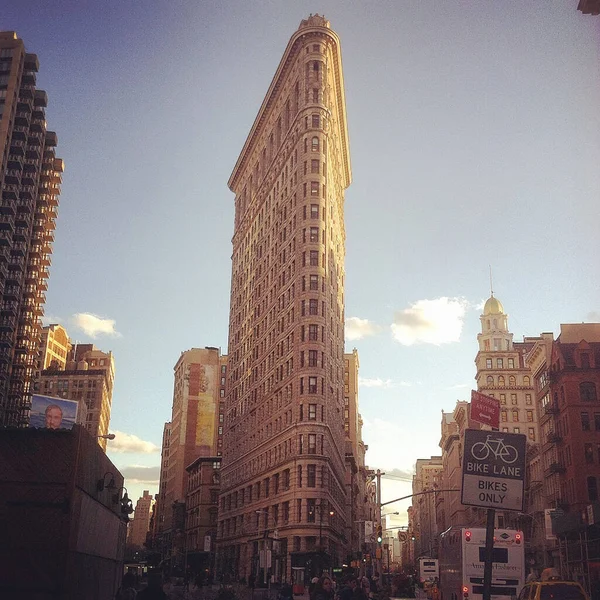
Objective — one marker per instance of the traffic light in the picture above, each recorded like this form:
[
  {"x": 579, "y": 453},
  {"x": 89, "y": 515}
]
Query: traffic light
[{"x": 379, "y": 534}]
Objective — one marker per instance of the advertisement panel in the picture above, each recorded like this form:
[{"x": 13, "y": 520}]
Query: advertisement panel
[{"x": 52, "y": 413}]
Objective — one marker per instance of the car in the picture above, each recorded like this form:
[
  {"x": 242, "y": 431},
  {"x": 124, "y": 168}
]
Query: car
[{"x": 553, "y": 589}]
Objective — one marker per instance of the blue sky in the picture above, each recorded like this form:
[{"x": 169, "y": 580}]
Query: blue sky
[{"x": 474, "y": 137}]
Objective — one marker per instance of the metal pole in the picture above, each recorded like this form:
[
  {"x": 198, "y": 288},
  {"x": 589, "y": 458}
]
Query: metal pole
[
  {"x": 378, "y": 475},
  {"x": 489, "y": 552},
  {"x": 320, "y": 527}
]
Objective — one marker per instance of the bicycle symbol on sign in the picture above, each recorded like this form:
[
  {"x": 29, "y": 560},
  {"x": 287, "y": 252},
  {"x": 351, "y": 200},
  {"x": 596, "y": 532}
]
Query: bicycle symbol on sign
[{"x": 481, "y": 450}]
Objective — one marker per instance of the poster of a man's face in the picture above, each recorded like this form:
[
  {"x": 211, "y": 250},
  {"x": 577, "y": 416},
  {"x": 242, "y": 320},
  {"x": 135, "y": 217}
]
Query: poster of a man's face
[{"x": 52, "y": 413}]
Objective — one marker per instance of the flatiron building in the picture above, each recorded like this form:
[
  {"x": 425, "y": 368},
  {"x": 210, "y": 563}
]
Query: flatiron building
[{"x": 283, "y": 500}]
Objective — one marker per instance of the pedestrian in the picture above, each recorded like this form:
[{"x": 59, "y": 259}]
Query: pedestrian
[
  {"x": 348, "y": 589},
  {"x": 312, "y": 587},
  {"x": 127, "y": 590},
  {"x": 154, "y": 591},
  {"x": 324, "y": 589}
]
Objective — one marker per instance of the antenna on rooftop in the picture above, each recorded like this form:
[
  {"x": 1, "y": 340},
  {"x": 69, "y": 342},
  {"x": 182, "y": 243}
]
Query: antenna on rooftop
[{"x": 491, "y": 282}]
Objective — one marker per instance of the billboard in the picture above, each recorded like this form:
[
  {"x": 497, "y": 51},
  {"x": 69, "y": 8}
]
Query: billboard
[{"x": 52, "y": 413}]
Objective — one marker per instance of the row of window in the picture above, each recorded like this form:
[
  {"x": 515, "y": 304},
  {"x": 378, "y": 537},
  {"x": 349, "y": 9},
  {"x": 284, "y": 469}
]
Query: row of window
[
  {"x": 515, "y": 415},
  {"x": 510, "y": 362},
  {"x": 512, "y": 381},
  {"x": 513, "y": 399},
  {"x": 530, "y": 432}
]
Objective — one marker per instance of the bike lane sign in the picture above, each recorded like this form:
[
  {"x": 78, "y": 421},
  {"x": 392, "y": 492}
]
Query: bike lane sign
[{"x": 493, "y": 469}]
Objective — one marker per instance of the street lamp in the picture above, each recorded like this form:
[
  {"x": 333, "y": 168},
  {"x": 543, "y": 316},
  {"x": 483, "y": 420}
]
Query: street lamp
[
  {"x": 319, "y": 507},
  {"x": 108, "y": 436},
  {"x": 388, "y": 514}
]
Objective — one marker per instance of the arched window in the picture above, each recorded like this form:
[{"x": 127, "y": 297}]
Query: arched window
[
  {"x": 512, "y": 381},
  {"x": 315, "y": 144},
  {"x": 501, "y": 380},
  {"x": 526, "y": 380},
  {"x": 515, "y": 415},
  {"x": 490, "y": 380},
  {"x": 587, "y": 391}
]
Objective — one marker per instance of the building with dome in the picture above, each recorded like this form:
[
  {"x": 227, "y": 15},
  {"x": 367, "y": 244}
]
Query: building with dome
[{"x": 502, "y": 372}]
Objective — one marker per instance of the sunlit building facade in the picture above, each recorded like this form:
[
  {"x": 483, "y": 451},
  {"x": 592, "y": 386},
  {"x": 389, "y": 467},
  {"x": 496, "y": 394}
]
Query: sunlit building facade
[
  {"x": 503, "y": 373},
  {"x": 30, "y": 177},
  {"x": 284, "y": 449},
  {"x": 139, "y": 526},
  {"x": 87, "y": 376},
  {"x": 195, "y": 430}
]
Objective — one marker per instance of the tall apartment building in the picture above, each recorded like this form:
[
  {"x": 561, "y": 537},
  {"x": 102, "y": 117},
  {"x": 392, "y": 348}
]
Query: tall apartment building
[
  {"x": 138, "y": 529},
  {"x": 88, "y": 376},
  {"x": 30, "y": 177},
  {"x": 195, "y": 430},
  {"x": 503, "y": 374},
  {"x": 283, "y": 458}
]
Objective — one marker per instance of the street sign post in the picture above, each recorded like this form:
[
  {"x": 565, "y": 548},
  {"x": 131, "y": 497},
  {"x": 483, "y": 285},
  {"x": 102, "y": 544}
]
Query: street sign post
[
  {"x": 493, "y": 477},
  {"x": 485, "y": 409},
  {"x": 493, "y": 469}
]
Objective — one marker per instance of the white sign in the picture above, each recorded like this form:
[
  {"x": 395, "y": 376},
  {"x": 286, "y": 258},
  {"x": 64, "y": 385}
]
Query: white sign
[
  {"x": 548, "y": 512},
  {"x": 493, "y": 469}
]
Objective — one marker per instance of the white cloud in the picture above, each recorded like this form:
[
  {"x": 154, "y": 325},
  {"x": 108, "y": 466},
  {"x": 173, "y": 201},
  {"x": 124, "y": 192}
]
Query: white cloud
[
  {"x": 436, "y": 322},
  {"x": 93, "y": 325},
  {"x": 356, "y": 328},
  {"x": 141, "y": 474},
  {"x": 127, "y": 442}
]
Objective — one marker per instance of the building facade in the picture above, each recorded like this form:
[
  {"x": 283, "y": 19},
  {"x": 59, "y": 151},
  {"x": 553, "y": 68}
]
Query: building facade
[
  {"x": 202, "y": 506},
  {"x": 54, "y": 349},
  {"x": 87, "y": 376},
  {"x": 140, "y": 525},
  {"x": 502, "y": 372},
  {"x": 426, "y": 483},
  {"x": 284, "y": 463},
  {"x": 30, "y": 177},
  {"x": 195, "y": 430},
  {"x": 359, "y": 508}
]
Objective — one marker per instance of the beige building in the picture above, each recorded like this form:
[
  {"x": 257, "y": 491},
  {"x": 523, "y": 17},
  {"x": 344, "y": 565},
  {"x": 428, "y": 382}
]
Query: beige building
[
  {"x": 426, "y": 483},
  {"x": 284, "y": 464},
  {"x": 139, "y": 526},
  {"x": 503, "y": 374},
  {"x": 30, "y": 177},
  {"x": 87, "y": 376},
  {"x": 54, "y": 349},
  {"x": 195, "y": 430}
]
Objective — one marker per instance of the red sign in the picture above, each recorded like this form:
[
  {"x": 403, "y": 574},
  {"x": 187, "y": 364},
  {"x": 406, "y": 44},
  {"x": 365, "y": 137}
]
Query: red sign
[{"x": 485, "y": 409}]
